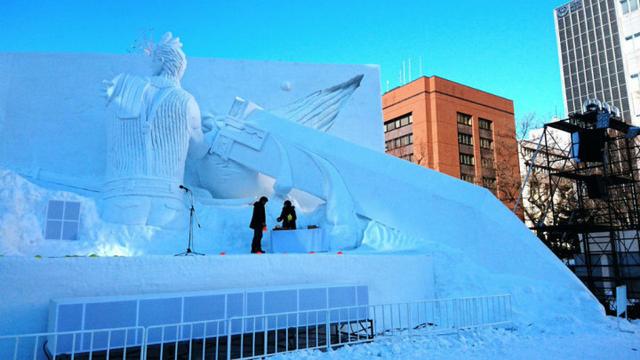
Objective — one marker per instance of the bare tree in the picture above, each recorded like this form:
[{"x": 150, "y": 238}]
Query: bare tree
[
  {"x": 540, "y": 191},
  {"x": 527, "y": 123},
  {"x": 420, "y": 156},
  {"x": 507, "y": 169}
]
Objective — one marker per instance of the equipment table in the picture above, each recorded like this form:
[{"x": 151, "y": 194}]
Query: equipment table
[{"x": 298, "y": 241}]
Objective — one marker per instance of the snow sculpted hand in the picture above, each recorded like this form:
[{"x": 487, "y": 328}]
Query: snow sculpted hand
[{"x": 107, "y": 89}]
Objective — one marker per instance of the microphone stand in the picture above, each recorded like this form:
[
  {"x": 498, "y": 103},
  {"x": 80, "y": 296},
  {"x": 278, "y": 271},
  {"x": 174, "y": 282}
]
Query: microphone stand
[{"x": 192, "y": 216}]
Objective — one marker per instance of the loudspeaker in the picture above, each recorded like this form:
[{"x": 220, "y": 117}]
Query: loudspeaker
[
  {"x": 596, "y": 188},
  {"x": 588, "y": 145}
]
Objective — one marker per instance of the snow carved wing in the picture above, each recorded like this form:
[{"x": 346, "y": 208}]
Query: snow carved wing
[{"x": 319, "y": 109}]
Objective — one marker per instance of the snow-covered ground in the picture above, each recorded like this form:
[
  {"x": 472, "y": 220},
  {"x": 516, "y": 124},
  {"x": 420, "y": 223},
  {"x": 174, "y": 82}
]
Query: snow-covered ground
[{"x": 565, "y": 342}]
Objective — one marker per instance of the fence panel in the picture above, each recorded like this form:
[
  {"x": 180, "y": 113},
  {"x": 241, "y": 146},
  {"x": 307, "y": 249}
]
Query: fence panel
[
  {"x": 333, "y": 328},
  {"x": 259, "y": 336},
  {"x": 119, "y": 343}
]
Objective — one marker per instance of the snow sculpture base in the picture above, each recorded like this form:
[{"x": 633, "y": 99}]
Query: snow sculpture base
[
  {"x": 144, "y": 202},
  {"x": 34, "y": 282}
]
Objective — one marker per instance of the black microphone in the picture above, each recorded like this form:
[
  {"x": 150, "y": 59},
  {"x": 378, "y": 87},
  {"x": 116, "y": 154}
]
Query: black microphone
[{"x": 184, "y": 188}]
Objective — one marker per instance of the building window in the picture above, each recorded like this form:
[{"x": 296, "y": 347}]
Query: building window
[
  {"x": 487, "y": 163},
  {"x": 406, "y": 140},
  {"x": 468, "y": 178},
  {"x": 634, "y": 87},
  {"x": 489, "y": 182},
  {"x": 398, "y": 142},
  {"x": 484, "y": 124},
  {"x": 528, "y": 152},
  {"x": 486, "y": 143},
  {"x": 466, "y": 159},
  {"x": 633, "y": 43},
  {"x": 397, "y": 123},
  {"x": 464, "y": 119},
  {"x": 465, "y": 139},
  {"x": 62, "y": 221},
  {"x": 629, "y": 6},
  {"x": 408, "y": 157}
]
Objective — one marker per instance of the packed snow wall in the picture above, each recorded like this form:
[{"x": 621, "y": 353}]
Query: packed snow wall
[{"x": 24, "y": 305}]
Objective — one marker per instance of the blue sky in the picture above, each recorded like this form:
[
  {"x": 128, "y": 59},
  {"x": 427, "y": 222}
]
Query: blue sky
[{"x": 504, "y": 47}]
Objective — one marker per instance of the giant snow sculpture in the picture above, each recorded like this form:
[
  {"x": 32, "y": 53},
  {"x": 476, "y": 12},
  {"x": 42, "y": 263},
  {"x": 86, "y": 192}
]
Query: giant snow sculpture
[{"x": 156, "y": 124}]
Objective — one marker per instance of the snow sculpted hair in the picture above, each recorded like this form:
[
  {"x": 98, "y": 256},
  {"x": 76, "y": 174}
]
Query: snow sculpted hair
[{"x": 169, "y": 52}]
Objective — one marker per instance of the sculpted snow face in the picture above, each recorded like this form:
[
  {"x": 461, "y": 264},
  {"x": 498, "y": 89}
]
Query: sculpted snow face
[{"x": 156, "y": 125}]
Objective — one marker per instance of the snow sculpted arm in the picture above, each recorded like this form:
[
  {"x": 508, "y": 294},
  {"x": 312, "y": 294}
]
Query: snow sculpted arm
[
  {"x": 199, "y": 142},
  {"x": 126, "y": 92}
]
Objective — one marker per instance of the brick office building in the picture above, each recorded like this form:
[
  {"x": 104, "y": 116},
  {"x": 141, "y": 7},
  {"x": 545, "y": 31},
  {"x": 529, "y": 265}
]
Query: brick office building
[{"x": 455, "y": 129}]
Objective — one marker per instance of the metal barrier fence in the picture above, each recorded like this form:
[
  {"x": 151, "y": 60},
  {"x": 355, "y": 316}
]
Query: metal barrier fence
[
  {"x": 265, "y": 335},
  {"x": 118, "y": 343}
]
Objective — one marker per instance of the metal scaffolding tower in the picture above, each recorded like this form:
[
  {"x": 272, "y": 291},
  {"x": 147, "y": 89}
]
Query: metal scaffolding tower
[{"x": 590, "y": 215}]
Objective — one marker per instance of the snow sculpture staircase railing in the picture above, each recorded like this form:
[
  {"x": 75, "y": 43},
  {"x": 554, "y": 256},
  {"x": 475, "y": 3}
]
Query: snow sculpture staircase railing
[{"x": 263, "y": 335}]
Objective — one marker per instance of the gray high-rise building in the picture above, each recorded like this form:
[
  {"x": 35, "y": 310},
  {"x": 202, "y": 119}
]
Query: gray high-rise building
[{"x": 593, "y": 52}]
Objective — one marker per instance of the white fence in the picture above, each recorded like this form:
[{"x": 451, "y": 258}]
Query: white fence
[
  {"x": 120, "y": 343},
  {"x": 265, "y": 334}
]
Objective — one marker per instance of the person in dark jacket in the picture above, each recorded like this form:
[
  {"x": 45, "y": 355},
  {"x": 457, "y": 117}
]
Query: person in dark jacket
[
  {"x": 258, "y": 222},
  {"x": 288, "y": 216}
]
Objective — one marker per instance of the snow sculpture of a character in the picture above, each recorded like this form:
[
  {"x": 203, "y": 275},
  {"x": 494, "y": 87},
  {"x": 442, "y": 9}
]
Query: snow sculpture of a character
[{"x": 157, "y": 125}]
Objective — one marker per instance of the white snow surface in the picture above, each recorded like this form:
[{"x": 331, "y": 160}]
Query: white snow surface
[{"x": 603, "y": 341}]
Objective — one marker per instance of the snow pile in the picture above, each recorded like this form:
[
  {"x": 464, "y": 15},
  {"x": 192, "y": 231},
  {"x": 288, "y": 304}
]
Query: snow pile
[{"x": 23, "y": 207}]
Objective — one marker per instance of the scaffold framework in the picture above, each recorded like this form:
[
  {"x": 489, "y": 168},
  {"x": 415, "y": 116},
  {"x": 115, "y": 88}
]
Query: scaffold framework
[{"x": 590, "y": 216}]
